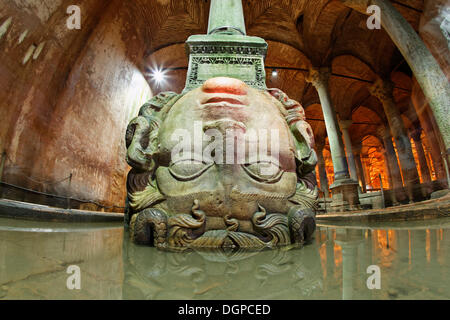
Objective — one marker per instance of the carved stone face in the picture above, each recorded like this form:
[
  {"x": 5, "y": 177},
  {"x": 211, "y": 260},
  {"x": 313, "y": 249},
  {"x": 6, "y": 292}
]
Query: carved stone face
[
  {"x": 235, "y": 188},
  {"x": 223, "y": 165}
]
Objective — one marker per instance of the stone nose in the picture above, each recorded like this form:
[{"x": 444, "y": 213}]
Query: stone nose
[{"x": 225, "y": 85}]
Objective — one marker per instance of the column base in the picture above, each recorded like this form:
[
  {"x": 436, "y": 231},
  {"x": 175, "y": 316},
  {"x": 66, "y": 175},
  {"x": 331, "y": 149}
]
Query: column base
[{"x": 345, "y": 195}]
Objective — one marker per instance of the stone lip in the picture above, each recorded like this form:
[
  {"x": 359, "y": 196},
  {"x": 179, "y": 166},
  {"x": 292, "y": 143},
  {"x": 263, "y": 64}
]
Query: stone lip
[
  {"x": 30, "y": 211},
  {"x": 227, "y": 40},
  {"x": 338, "y": 183},
  {"x": 430, "y": 209}
]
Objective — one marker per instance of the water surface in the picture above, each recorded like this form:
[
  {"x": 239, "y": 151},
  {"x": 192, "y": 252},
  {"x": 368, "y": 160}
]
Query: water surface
[{"x": 413, "y": 259}]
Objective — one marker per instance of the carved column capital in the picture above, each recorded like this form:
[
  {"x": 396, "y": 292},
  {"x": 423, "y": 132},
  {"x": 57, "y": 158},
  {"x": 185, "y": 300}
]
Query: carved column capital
[
  {"x": 382, "y": 90},
  {"x": 318, "y": 77},
  {"x": 416, "y": 133},
  {"x": 345, "y": 124},
  {"x": 358, "y": 5},
  {"x": 320, "y": 145},
  {"x": 384, "y": 133},
  {"x": 357, "y": 148}
]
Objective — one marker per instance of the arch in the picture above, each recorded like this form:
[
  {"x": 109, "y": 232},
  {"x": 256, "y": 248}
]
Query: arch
[
  {"x": 318, "y": 31},
  {"x": 297, "y": 58},
  {"x": 356, "y": 66}
]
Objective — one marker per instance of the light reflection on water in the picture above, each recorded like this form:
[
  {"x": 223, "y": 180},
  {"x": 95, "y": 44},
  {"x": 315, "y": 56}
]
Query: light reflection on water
[{"x": 413, "y": 259}]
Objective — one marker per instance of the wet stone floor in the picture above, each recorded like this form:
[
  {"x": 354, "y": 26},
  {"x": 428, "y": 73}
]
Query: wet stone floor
[{"x": 413, "y": 260}]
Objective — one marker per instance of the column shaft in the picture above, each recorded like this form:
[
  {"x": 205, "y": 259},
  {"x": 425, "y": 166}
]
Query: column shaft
[
  {"x": 345, "y": 125},
  {"x": 319, "y": 78},
  {"x": 424, "y": 170},
  {"x": 322, "y": 172},
  {"x": 424, "y": 114},
  {"x": 383, "y": 91},
  {"x": 344, "y": 190},
  {"x": 392, "y": 163},
  {"x": 359, "y": 167}
]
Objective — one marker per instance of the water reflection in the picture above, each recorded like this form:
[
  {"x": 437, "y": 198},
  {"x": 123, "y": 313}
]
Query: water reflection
[
  {"x": 280, "y": 274},
  {"x": 413, "y": 260}
]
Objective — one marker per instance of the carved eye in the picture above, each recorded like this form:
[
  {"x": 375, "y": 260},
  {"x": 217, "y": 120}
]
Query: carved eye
[
  {"x": 186, "y": 170},
  {"x": 264, "y": 171}
]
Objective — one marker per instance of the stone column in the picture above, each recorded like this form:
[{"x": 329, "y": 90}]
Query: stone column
[
  {"x": 424, "y": 114},
  {"x": 322, "y": 171},
  {"x": 383, "y": 91},
  {"x": 426, "y": 69},
  {"x": 359, "y": 167},
  {"x": 386, "y": 168},
  {"x": 226, "y": 16},
  {"x": 424, "y": 170},
  {"x": 345, "y": 125},
  {"x": 344, "y": 190},
  {"x": 392, "y": 163},
  {"x": 365, "y": 170}
]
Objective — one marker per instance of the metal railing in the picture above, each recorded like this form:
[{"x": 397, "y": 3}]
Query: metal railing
[{"x": 68, "y": 200}]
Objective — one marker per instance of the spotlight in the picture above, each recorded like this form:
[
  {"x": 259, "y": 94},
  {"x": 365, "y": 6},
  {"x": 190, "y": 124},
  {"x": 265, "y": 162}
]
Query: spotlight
[
  {"x": 274, "y": 73},
  {"x": 158, "y": 75}
]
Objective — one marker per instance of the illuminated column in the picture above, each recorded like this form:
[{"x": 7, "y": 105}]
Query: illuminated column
[
  {"x": 344, "y": 190},
  {"x": 421, "y": 105},
  {"x": 226, "y": 16},
  {"x": 322, "y": 171},
  {"x": 383, "y": 90},
  {"x": 426, "y": 69},
  {"x": 345, "y": 125},
  {"x": 359, "y": 167},
  {"x": 424, "y": 170},
  {"x": 426, "y": 187},
  {"x": 365, "y": 169},
  {"x": 394, "y": 169}
]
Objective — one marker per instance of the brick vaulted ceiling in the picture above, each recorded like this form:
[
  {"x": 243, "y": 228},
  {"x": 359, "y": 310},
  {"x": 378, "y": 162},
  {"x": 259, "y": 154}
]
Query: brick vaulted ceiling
[
  {"x": 86, "y": 81},
  {"x": 300, "y": 33}
]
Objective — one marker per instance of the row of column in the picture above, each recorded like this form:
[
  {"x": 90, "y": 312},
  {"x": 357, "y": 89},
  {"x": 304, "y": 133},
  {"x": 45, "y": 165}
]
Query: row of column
[
  {"x": 348, "y": 169},
  {"x": 426, "y": 69},
  {"x": 435, "y": 87}
]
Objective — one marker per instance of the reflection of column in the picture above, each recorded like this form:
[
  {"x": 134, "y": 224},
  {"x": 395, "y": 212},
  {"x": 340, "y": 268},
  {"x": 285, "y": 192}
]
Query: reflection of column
[
  {"x": 359, "y": 166},
  {"x": 383, "y": 90},
  {"x": 330, "y": 252},
  {"x": 403, "y": 246},
  {"x": 345, "y": 125},
  {"x": 322, "y": 171},
  {"x": 429, "y": 75},
  {"x": 349, "y": 240},
  {"x": 424, "y": 170},
  {"x": 344, "y": 190}
]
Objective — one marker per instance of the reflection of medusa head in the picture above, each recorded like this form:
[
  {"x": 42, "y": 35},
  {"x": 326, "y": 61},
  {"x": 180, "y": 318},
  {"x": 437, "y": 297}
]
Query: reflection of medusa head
[{"x": 202, "y": 202}]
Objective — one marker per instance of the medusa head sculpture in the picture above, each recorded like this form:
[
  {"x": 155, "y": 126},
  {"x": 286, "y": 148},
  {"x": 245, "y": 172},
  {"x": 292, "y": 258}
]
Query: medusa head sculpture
[{"x": 224, "y": 165}]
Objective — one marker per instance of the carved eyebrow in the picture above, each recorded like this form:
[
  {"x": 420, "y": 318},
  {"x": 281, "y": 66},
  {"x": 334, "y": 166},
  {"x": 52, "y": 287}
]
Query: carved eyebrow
[{"x": 192, "y": 176}]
